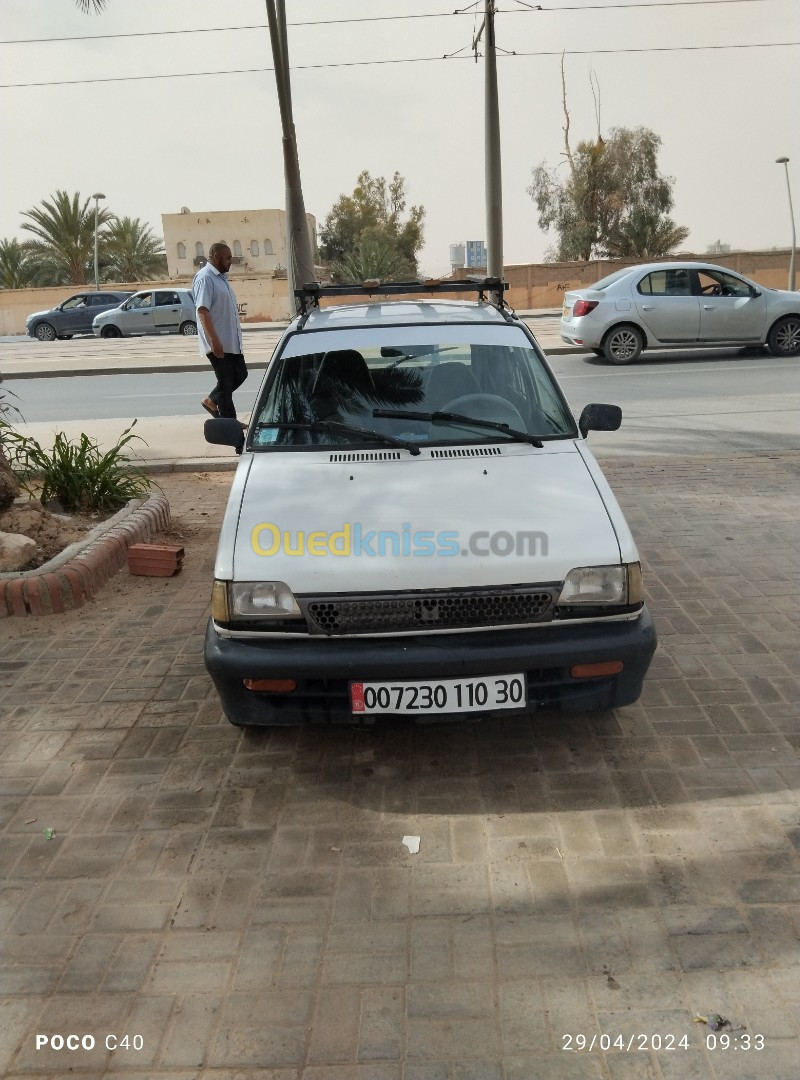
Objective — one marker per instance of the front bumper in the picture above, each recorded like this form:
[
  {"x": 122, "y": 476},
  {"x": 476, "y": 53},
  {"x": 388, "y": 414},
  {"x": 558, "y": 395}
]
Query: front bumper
[{"x": 323, "y": 667}]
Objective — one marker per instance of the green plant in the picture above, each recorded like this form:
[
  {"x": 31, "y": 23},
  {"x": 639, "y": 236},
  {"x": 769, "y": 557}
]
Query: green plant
[{"x": 77, "y": 474}]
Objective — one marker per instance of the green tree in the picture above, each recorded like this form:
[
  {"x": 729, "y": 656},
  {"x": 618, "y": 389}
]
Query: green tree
[
  {"x": 369, "y": 221},
  {"x": 64, "y": 232},
  {"x": 613, "y": 201},
  {"x": 16, "y": 269},
  {"x": 131, "y": 251}
]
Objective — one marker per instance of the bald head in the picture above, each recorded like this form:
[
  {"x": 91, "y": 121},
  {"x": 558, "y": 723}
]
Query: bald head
[{"x": 220, "y": 257}]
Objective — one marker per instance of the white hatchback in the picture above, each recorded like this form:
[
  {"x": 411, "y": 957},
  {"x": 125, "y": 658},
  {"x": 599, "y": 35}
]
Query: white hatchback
[
  {"x": 671, "y": 304},
  {"x": 417, "y": 527}
]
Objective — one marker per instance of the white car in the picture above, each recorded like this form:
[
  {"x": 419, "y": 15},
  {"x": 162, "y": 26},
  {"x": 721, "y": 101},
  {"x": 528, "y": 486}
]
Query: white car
[
  {"x": 417, "y": 527},
  {"x": 150, "y": 311},
  {"x": 672, "y": 304}
]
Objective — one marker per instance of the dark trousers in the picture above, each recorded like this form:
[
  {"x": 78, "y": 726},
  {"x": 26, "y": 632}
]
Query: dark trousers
[{"x": 231, "y": 371}]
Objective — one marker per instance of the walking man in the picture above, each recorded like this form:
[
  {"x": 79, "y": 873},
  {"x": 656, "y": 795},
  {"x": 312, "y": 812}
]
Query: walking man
[{"x": 219, "y": 330}]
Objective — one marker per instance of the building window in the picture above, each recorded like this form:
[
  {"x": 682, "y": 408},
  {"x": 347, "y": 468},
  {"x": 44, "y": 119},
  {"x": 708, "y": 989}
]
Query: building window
[
  {"x": 254, "y": 247},
  {"x": 198, "y": 250},
  {"x": 237, "y": 248},
  {"x": 267, "y": 247},
  {"x": 181, "y": 251}
]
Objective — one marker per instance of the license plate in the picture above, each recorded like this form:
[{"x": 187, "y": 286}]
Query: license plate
[{"x": 479, "y": 694}]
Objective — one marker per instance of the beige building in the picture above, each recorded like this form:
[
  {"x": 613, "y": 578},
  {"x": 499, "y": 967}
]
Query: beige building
[{"x": 257, "y": 239}]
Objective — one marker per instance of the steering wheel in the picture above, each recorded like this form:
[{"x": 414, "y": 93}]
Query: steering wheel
[
  {"x": 487, "y": 407},
  {"x": 712, "y": 290}
]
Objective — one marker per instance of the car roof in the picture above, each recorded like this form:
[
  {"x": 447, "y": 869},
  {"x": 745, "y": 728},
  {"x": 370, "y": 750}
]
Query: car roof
[
  {"x": 393, "y": 312},
  {"x": 675, "y": 265}
]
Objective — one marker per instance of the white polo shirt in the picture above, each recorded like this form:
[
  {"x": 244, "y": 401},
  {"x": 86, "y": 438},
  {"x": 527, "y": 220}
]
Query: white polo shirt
[{"x": 211, "y": 290}]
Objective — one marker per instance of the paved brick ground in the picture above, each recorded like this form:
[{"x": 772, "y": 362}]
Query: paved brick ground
[{"x": 243, "y": 902}]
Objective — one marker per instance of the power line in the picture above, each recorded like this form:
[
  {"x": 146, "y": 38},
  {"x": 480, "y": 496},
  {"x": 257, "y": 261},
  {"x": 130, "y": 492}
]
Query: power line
[
  {"x": 408, "y": 60},
  {"x": 378, "y": 18}
]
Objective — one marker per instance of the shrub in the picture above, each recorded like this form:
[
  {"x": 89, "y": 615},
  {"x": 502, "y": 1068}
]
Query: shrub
[{"x": 78, "y": 475}]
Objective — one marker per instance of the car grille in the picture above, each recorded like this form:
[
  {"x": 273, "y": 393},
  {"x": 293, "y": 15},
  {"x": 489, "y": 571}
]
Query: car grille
[{"x": 436, "y": 610}]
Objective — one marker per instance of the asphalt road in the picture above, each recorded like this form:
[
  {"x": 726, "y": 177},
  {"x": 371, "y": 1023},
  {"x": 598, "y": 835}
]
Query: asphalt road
[
  {"x": 674, "y": 402},
  {"x": 734, "y": 400}
]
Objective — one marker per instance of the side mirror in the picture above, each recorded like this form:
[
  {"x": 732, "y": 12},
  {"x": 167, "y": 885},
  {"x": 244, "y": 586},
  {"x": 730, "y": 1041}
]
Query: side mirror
[
  {"x": 755, "y": 292},
  {"x": 223, "y": 431},
  {"x": 600, "y": 418}
]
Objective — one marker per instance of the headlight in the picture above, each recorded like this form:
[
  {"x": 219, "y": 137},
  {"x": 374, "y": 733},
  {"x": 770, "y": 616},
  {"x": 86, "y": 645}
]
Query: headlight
[
  {"x": 231, "y": 600},
  {"x": 603, "y": 585}
]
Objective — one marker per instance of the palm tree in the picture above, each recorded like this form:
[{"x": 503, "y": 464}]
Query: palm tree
[
  {"x": 375, "y": 257},
  {"x": 16, "y": 269},
  {"x": 64, "y": 232},
  {"x": 645, "y": 233},
  {"x": 132, "y": 252}
]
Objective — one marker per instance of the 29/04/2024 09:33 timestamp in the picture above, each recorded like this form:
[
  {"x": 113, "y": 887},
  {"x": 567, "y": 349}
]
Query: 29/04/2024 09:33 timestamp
[{"x": 581, "y": 1042}]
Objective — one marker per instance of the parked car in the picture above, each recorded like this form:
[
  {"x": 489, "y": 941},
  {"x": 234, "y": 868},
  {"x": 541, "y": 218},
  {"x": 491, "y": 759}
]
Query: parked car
[
  {"x": 74, "y": 316},
  {"x": 671, "y": 304},
  {"x": 151, "y": 311},
  {"x": 418, "y": 527}
]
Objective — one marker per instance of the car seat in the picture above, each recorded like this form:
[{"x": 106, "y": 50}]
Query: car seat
[
  {"x": 447, "y": 382},
  {"x": 342, "y": 382}
]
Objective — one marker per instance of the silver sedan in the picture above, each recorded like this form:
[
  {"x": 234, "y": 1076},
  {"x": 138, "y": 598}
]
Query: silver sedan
[{"x": 671, "y": 304}]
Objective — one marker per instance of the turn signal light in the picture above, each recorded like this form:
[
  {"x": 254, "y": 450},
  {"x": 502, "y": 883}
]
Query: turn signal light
[
  {"x": 591, "y": 671},
  {"x": 583, "y": 307},
  {"x": 275, "y": 686}
]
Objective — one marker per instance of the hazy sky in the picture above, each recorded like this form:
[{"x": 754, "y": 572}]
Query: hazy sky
[{"x": 212, "y": 142}]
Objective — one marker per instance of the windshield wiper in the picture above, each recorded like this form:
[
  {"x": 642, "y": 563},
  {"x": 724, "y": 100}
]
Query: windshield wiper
[
  {"x": 344, "y": 429},
  {"x": 457, "y": 418}
]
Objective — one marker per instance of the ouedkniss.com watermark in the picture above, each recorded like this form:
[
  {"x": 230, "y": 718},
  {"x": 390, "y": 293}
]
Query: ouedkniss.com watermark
[{"x": 353, "y": 539}]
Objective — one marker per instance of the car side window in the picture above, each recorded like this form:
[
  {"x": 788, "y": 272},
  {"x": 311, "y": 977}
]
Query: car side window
[
  {"x": 667, "y": 282},
  {"x": 718, "y": 283},
  {"x": 74, "y": 302},
  {"x": 166, "y": 299},
  {"x": 142, "y": 300}
]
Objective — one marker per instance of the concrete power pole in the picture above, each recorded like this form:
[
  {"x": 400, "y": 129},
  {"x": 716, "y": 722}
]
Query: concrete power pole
[
  {"x": 494, "y": 187},
  {"x": 300, "y": 268}
]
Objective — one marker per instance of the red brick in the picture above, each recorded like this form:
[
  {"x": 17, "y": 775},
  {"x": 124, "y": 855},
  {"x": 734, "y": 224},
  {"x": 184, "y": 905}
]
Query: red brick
[
  {"x": 77, "y": 591},
  {"x": 33, "y": 596},
  {"x": 53, "y": 584},
  {"x": 16, "y": 596}
]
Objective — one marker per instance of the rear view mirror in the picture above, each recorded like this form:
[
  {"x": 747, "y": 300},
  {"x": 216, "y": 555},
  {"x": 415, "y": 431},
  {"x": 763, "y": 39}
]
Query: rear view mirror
[{"x": 600, "y": 418}]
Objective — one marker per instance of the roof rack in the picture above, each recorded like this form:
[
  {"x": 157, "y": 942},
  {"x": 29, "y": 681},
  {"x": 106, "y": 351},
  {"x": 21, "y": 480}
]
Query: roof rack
[{"x": 312, "y": 291}]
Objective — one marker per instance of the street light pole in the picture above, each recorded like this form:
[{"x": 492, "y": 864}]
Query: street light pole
[
  {"x": 785, "y": 162},
  {"x": 98, "y": 195}
]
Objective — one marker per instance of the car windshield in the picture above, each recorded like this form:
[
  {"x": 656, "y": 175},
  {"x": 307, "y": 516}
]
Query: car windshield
[{"x": 391, "y": 381}]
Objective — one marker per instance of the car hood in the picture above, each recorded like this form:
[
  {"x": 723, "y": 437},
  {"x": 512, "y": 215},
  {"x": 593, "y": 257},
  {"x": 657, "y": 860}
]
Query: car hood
[
  {"x": 38, "y": 314},
  {"x": 783, "y": 296},
  {"x": 101, "y": 315},
  {"x": 444, "y": 514}
]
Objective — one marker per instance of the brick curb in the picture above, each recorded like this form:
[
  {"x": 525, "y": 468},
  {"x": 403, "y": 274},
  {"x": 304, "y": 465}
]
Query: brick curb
[{"x": 73, "y": 577}]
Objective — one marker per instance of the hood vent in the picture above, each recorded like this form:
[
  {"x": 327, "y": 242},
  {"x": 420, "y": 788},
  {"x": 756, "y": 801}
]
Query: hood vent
[
  {"x": 367, "y": 455},
  {"x": 468, "y": 451}
]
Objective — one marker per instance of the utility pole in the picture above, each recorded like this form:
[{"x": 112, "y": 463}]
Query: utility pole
[
  {"x": 300, "y": 261},
  {"x": 494, "y": 187}
]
